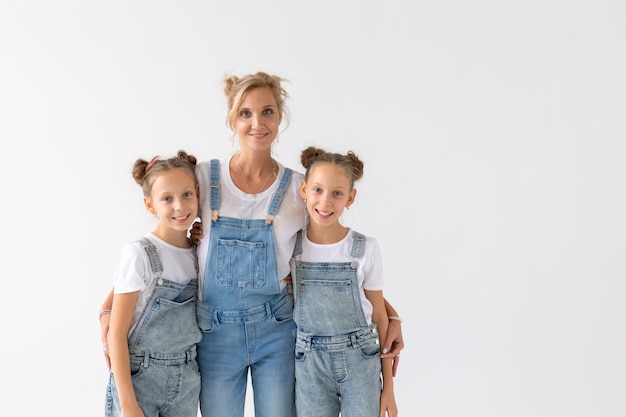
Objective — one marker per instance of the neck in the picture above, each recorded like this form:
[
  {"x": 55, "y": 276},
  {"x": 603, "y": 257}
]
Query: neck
[
  {"x": 326, "y": 235},
  {"x": 254, "y": 164},
  {"x": 173, "y": 237},
  {"x": 253, "y": 176}
]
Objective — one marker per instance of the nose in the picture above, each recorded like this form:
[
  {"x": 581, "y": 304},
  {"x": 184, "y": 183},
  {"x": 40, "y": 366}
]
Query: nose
[
  {"x": 178, "y": 204},
  {"x": 256, "y": 121}
]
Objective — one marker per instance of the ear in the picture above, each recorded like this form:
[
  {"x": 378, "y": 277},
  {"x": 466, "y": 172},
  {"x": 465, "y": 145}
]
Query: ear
[
  {"x": 148, "y": 203},
  {"x": 351, "y": 198},
  {"x": 303, "y": 189}
]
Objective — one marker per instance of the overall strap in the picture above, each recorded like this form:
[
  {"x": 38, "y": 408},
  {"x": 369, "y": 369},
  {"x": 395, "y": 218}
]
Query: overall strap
[
  {"x": 195, "y": 257},
  {"x": 297, "y": 250},
  {"x": 215, "y": 187},
  {"x": 278, "y": 196},
  {"x": 358, "y": 244},
  {"x": 155, "y": 261}
]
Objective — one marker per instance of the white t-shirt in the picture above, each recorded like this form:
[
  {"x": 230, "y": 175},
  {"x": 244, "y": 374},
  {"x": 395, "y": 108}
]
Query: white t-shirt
[
  {"x": 369, "y": 270},
  {"x": 291, "y": 217},
  {"x": 134, "y": 272}
]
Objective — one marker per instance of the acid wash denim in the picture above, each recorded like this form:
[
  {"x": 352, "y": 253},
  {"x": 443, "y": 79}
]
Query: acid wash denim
[
  {"x": 338, "y": 368},
  {"x": 162, "y": 351}
]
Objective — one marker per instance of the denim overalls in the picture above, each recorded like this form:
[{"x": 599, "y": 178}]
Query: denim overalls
[
  {"x": 338, "y": 365},
  {"x": 246, "y": 320},
  {"x": 162, "y": 350}
]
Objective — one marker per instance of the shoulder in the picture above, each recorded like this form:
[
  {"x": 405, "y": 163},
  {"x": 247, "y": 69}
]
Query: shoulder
[
  {"x": 134, "y": 253},
  {"x": 205, "y": 166},
  {"x": 296, "y": 175},
  {"x": 370, "y": 243}
]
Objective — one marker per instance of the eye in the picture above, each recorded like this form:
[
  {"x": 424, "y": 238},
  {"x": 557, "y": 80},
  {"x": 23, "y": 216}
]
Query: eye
[
  {"x": 244, "y": 113},
  {"x": 317, "y": 189},
  {"x": 166, "y": 199},
  {"x": 338, "y": 194},
  {"x": 268, "y": 112},
  {"x": 188, "y": 194}
]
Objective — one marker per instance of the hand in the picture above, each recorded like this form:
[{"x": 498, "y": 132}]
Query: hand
[
  {"x": 196, "y": 233},
  {"x": 393, "y": 344},
  {"x": 104, "y": 333}
]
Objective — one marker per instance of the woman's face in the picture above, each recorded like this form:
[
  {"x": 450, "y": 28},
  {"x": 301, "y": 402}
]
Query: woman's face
[{"x": 258, "y": 119}]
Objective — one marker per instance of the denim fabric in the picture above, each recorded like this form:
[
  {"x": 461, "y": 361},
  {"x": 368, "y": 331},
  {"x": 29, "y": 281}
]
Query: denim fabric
[
  {"x": 338, "y": 374},
  {"x": 247, "y": 322},
  {"x": 259, "y": 340},
  {"x": 338, "y": 367},
  {"x": 162, "y": 351}
]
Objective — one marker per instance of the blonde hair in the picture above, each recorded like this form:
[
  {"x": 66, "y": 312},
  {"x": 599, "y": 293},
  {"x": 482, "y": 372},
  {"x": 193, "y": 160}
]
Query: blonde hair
[{"x": 235, "y": 87}]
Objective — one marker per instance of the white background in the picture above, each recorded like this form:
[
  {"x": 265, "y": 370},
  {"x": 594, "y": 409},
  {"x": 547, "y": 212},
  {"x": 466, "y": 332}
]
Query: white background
[{"x": 493, "y": 135}]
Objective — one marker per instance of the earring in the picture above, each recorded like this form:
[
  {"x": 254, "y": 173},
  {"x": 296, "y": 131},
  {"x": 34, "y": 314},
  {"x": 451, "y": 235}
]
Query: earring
[{"x": 304, "y": 201}]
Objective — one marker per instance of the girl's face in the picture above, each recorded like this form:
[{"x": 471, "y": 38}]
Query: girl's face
[
  {"x": 174, "y": 199},
  {"x": 327, "y": 192},
  {"x": 258, "y": 119}
]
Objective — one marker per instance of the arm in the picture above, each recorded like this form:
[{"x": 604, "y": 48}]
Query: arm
[
  {"x": 394, "y": 342},
  {"x": 121, "y": 316},
  {"x": 105, "y": 317},
  {"x": 379, "y": 316}
]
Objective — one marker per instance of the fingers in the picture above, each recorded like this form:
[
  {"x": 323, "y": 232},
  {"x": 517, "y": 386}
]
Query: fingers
[
  {"x": 107, "y": 361},
  {"x": 107, "y": 358},
  {"x": 396, "y": 347},
  {"x": 104, "y": 335},
  {"x": 196, "y": 233}
]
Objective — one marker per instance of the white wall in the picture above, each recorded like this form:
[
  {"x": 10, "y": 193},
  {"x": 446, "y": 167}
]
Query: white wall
[{"x": 493, "y": 135}]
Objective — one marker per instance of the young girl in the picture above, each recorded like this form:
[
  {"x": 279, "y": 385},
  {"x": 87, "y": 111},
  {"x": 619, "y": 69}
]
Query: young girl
[
  {"x": 153, "y": 330},
  {"x": 339, "y": 309}
]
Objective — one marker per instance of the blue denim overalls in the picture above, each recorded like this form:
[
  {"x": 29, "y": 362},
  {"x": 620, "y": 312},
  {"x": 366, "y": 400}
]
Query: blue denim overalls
[
  {"x": 338, "y": 365},
  {"x": 162, "y": 350},
  {"x": 246, "y": 320}
]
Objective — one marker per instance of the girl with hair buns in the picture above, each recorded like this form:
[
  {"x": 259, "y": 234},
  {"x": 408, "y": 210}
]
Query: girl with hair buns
[
  {"x": 339, "y": 305},
  {"x": 155, "y": 289}
]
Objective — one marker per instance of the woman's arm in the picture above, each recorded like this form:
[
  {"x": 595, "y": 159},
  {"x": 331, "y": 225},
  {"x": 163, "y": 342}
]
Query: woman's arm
[
  {"x": 388, "y": 406},
  {"x": 121, "y": 316},
  {"x": 105, "y": 318},
  {"x": 394, "y": 342}
]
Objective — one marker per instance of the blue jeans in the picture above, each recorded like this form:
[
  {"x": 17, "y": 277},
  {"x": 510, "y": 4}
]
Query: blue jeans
[{"x": 260, "y": 341}]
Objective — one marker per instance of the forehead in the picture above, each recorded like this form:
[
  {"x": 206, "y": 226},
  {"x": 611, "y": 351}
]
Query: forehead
[
  {"x": 175, "y": 177},
  {"x": 329, "y": 173},
  {"x": 258, "y": 97}
]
